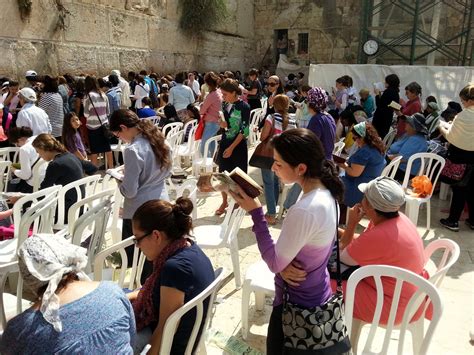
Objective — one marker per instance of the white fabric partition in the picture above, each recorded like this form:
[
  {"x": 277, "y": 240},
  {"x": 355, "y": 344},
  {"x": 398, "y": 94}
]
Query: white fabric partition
[{"x": 444, "y": 83}]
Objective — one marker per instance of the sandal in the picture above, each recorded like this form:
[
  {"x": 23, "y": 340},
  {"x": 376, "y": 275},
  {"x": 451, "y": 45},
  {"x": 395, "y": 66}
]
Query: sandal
[
  {"x": 271, "y": 220},
  {"x": 221, "y": 210}
]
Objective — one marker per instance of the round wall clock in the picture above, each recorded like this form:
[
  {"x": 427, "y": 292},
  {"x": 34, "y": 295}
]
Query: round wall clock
[{"x": 371, "y": 47}]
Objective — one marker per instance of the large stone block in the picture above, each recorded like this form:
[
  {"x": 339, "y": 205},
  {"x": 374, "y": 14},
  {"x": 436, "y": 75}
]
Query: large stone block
[
  {"x": 135, "y": 60},
  {"x": 165, "y": 35},
  {"x": 7, "y": 60},
  {"x": 77, "y": 59},
  {"x": 88, "y": 24},
  {"x": 128, "y": 30},
  {"x": 107, "y": 61},
  {"x": 39, "y": 56}
]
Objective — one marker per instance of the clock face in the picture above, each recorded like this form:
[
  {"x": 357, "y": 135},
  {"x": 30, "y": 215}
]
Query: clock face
[{"x": 371, "y": 47}]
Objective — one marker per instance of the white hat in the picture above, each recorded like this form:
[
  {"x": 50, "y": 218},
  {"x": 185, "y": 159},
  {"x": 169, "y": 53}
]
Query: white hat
[
  {"x": 30, "y": 73},
  {"x": 384, "y": 194},
  {"x": 29, "y": 94},
  {"x": 115, "y": 72},
  {"x": 5, "y": 84}
]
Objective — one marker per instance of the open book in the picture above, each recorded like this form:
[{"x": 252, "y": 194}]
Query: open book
[
  {"x": 395, "y": 105},
  {"x": 228, "y": 181},
  {"x": 116, "y": 173}
]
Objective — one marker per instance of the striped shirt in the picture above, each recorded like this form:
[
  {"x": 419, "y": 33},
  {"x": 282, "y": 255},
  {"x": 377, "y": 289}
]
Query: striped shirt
[
  {"x": 96, "y": 110},
  {"x": 52, "y": 104},
  {"x": 278, "y": 127}
]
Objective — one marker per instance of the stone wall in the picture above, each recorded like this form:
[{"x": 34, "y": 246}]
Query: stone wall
[{"x": 101, "y": 35}]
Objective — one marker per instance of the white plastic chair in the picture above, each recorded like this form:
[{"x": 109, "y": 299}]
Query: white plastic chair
[
  {"x": 224, "y": 236},
  {"x": 338, "y": 147},
  {"x": 10, "y": 305},
  {"x": 171, "y": 128},
  {"x": 188, "y": 188},
  {"x": 96, "y": 217},
  {"x": 117, "y": 149},
  {"x": 206, "y": 164},
  {"x": 38, "y": 173},
  {"x": 424, "y": 288},
  {"x": 4, "y": 174},
  {"x": 389, "y": 138},
  {"x": 451, "y": 252},
  {"x": 187, "y": 150},
  {"x": 202, "y": 318},
  {"x": 101, "y": 273},
  {"x": 391, "y": 169},
  {"x": 5, "y": 154},
  {"x": 259, "y": 280},
  {"x": 83, "y": 187},
  {"x": 431, "y": 166},
  {"x": 255, "y": 115},
  {"x": 40, "y": 215}
]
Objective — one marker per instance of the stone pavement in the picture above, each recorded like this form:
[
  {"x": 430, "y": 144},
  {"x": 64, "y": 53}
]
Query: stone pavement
[{"x": 457, "y": 290}]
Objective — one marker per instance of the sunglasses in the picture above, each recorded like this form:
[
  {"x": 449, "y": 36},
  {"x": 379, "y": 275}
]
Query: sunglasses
[{"x": 272, "y": 84}]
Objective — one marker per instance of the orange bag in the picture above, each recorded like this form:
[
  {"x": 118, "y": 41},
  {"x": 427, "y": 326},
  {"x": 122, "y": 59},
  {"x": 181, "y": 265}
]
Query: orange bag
[{"x": 421, "y": 186}]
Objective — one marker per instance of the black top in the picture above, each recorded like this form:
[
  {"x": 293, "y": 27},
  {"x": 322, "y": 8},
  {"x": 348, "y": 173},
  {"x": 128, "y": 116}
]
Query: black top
[
  {"x": 190, "y": 271},
  {"x": 383, "y": 115},
  {"x": 62, "y": 170}
]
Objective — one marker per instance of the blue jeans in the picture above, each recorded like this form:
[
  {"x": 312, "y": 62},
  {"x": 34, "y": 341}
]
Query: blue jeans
[
  {"x": 271, "y": 187},
  {"x": 210, "y": 130},
  {"x": 292, "y": 196}
]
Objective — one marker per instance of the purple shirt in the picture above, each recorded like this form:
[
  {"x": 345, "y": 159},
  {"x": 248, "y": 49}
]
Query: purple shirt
[
  {"x": 74, "y": 144},
  {"x": 323, "y": 125},
  {"x": 307, "y": 236}
]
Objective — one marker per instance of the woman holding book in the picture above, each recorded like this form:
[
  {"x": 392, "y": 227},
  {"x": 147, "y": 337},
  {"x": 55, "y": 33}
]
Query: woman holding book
[
  {"x": 278, "y": 123},
  {"x": 233, "y": 146},
  {"x": 147, "y": 163},
  {"x": 308, "y": 231}
]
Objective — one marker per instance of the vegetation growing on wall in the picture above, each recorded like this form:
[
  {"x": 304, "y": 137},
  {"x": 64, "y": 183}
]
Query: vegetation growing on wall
[
  {"x": 63, "y": 13},
  {"x": 201, "y": 15},
  {"x": 25, "y": 8}
]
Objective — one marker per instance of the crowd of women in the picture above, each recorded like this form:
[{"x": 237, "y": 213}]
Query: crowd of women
[{"x": 303, "y": 124}]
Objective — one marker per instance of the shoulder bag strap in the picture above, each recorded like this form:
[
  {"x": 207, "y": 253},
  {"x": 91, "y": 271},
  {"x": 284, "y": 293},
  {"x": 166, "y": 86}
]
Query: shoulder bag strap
[
  {"x": 92, "y": 102},
  {"x": 338, "y": 258}
]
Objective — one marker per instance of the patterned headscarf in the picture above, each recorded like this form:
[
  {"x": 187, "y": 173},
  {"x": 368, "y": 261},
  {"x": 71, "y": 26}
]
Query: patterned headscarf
[
  {"x": 43, "y": 260},
  {"x": 318, "y": 98}
]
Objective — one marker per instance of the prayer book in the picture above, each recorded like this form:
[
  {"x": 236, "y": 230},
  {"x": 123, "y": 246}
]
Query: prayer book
[
  {"x": 116, "y": 173},
  {"x": 379, "y": 86},
  {"x": 338, "y": 159},
  {"x": 228, "y": 181},
  {"x": 395, "y": 105}
]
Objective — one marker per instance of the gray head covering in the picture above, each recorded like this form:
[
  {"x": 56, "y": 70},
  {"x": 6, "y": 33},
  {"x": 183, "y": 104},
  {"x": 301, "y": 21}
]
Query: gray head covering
[
  {"x": 384, "y": 194},
  {"x": 418, "y": 122},
  {"x": 43, "y": 260}
]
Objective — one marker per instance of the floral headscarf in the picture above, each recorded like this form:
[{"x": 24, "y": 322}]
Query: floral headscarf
[{"x": 317, "y": 98}]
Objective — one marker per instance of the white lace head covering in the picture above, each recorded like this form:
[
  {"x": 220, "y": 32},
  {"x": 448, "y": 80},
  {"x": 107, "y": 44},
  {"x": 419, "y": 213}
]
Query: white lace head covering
[{"x": 43, "y": 260}]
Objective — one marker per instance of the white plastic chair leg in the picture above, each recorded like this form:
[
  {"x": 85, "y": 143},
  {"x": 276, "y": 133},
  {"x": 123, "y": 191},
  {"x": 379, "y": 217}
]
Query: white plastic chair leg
[
  {"x": 411, "y": 210},
  {"x": 443, "y": 191},
  {"x": 428, "y": 215},
  {"x": 234, "y": 254},
  {"x": 417, "y": 332},
  {"x": 355, "y": 334},
  {"x": 259, "y": 300},
  {"x": 245, "y": 308}
]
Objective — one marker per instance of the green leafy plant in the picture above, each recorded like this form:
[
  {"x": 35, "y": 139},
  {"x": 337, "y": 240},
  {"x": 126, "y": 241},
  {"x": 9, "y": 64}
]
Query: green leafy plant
[
  {"x": 201, "y": 15},
  {"x": 25, "y": 7}
]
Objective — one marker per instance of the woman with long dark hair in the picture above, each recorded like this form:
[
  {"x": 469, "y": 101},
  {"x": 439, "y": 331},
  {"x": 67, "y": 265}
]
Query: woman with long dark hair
[
  {"x": 52, "y": 103},
  {"x": 147, "y": 163},
  {"x": 180, "y": 272},
  {"x": 383, "y": 115},
  {"x": 308, "y": 231},
  {"x": 96, "y": 111}
]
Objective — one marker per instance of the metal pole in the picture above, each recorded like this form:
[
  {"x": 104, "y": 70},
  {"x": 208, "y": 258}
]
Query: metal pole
[
  {"x": 415, "y": 30},
  {"x": 434, "y": 30},
  {"x": 361, "y": 57},
  {"x": 468, "y": 37}
]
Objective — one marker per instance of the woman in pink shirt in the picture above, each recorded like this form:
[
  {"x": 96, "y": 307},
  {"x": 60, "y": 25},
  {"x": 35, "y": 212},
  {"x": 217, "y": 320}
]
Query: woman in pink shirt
[
  {"x": 410, "y": 107},
  {"x": 210, "y": 111}
]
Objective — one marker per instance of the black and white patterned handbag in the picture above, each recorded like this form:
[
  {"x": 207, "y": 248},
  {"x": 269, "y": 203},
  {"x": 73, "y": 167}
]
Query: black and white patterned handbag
[{"x": 317, "y": 330}]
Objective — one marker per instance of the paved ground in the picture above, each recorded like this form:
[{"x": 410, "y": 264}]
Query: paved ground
[{"x": 451, "y": 337}]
